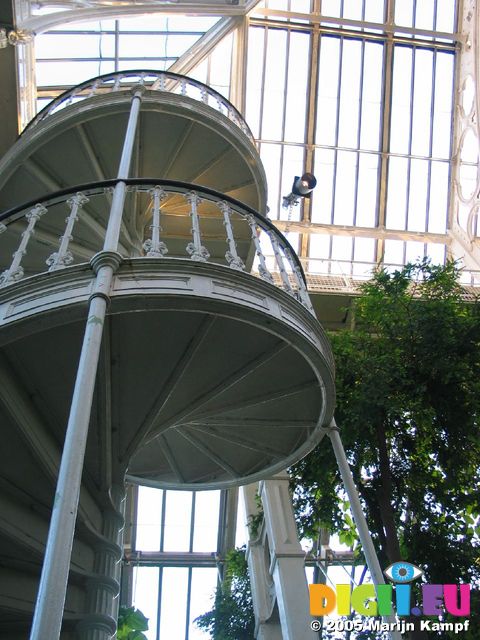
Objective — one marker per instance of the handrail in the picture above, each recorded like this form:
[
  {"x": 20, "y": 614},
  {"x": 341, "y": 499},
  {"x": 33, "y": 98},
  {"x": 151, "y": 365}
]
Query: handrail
[
  {"x": 164, "y": 81},
  {"x": 164, "y": 203}
]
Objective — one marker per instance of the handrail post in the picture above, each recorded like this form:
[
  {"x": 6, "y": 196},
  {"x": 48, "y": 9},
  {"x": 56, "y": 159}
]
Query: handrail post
[
  {"x": 231, "y": 256},
  {"x": 47, "y": 620},
  {"x": 63, "y": 256},
  {"x": 15, "y": 271}
]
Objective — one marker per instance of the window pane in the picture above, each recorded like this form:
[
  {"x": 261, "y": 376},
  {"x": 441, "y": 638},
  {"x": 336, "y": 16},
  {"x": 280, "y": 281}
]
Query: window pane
[
  {"x": 439, "y": 183},
  {"x": 178, "y": 513},
  {"x": 274, "y": 86},
  {"x": 145, "y": 596},
  {"x": 352, "y": 59},
  {"x": 149, "y": 517},
  {"x": 173, "y": 617},
  {"x": 204, "y": 582},
  {"x": 207, "y": 505},
  {"x": 345, "y": 187},
  {"x": 398, "y": 175},
  {"x": 253, "y": 99},
  {"x": 371, "y": 97},
  {"x": 297, "y": 90},
  {"x": 328, "y": 86},
  {"x": 401, "y": 97},
  {"x": 422, "y": 102},
  {"x": 322, "y": 197},
  {"x": 442, "y": 117},
  {"x": 270, "y": 154},
  {"x": 417, "y": 201},
  {"x": 366, "y": 213}
]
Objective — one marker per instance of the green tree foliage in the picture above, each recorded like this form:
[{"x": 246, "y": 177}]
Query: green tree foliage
[
  {"x": 131, "y": 623},
  {"x": 408, "y": 406},
  {"x": 232, "y": 615}
]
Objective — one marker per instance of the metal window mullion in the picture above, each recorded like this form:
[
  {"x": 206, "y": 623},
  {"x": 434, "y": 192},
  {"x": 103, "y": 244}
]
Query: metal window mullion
[
  {"x": 456, "y": 80},
  {"x": 162, "y": 522},
  {"x": 117, "y": 45},
  {"x": 262, "y": 94},
  {"x": 352, "y": 254},
  {"x": 159, "y": 607},
  {"x": 430, "y": 145},
  {"x": 280, "y": 176},
  {"x": 359, "y": 130},
  {"x": 310, "y": 130},
  {"x": 189, "y": 598},
  {"x": 160, "y": 569},
  {"x": 192, "y": 521},
  {"x": 337, "y": 128},
  {"x": 285, "y": 80},
  {"x": 383, "y": 167},
  {"x": 410, "y": 138},
  {"x": 284, "y": 118}
]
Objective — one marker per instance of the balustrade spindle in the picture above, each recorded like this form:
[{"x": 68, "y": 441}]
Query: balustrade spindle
[
  {"x": 94, "y": 88},
  {"x": 154, "y": 247},
  {"x": 281, "y": 265},
  {"x": 301, "y": 293},
  {"x": 15, "y": 271},
  {"x": 262, "y": 267},
  {"x": 231, "y": 256},
  {"x": 63, "y": 257},
  {"x": 183, "y": 87},
  {"x": 3, "y": 227},
  {"x": 204, "y": 94},
  {"x": 195, "y": 248}
]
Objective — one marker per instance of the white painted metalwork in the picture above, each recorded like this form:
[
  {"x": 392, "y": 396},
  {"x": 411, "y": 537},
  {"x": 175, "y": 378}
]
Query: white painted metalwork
[
  {"x": 153, "y": 81},
  {"x": 64, "y": 256},
  {"x": 195, "y": 248},
  {"x": 280, "y": 263},
  {"x": 154, "y": 247},
  {"x": 51, "y": 595},
  {"x": 231, "y": 255},
  {"x": 287, "y": 559},
  {"x": 262, "y": 266},
  {"x": 15, "y": 271},
  {"x": 163, "y": 199}
]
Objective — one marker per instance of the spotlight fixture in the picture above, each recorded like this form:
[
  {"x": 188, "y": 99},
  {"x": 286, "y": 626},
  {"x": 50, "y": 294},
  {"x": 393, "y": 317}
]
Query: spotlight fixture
[{"x": 302, "y": 188}]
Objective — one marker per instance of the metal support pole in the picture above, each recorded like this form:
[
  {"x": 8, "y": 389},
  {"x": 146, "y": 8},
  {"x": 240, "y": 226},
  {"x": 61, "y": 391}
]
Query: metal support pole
[
  {"x": 358, "y": 515},
  {"x": 47, "y": 620}
]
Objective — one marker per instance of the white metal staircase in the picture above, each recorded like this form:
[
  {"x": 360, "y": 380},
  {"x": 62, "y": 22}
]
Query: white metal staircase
[{"x": 146, "y": 281}]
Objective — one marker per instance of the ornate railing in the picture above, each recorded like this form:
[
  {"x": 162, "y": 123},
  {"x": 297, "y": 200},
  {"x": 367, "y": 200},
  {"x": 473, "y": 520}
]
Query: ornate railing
[
  {"x": 161, "y": 219},
  {"x": 161, "y": 81}
]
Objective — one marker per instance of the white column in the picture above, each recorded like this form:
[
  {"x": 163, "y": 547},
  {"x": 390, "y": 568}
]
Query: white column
[
  {"x": 287, "y": 559},
  {"x": 47, "y": 620},
  {"x": 261, "y": 582},
  {"x": 103, "y": 587}
]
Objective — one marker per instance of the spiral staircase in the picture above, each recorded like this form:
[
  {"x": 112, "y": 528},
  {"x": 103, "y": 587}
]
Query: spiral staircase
[{"x": 212, "y": 371}]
